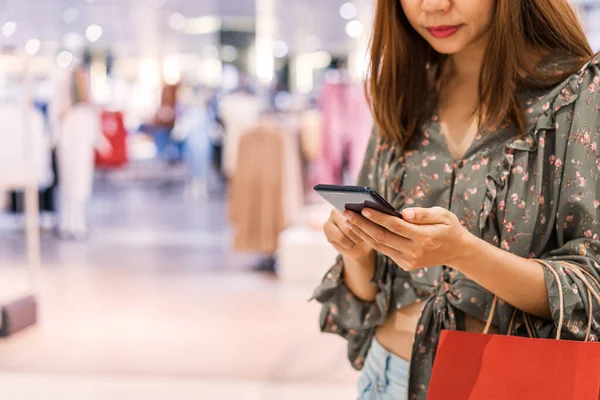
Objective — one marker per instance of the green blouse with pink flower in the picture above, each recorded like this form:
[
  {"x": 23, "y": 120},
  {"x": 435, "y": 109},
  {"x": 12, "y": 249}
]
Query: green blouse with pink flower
[{"x": 536, "y": 196}]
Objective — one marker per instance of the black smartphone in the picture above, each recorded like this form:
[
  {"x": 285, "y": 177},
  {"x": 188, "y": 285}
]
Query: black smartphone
[{"x": 355, "y": 198}]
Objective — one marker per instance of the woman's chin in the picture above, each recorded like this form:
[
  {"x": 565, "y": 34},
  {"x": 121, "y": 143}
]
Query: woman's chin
[{"x": 446, "y": 46}]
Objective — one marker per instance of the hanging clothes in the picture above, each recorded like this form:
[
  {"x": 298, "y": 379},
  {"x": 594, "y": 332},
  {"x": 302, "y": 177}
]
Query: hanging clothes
[
  {"x": 266, "y": 192},
  {"x": 347, "y": 125},
  {"x": 15, "y": 119},
  {"x": 311, "y": 134},
  {"x": 194, "y": 126},
  {"x": 311, "y": 138},
  {"x": 239, "y": 112},
  {"x": 47, "y": 200},
  {"x": 293, "y": 182},
  {"x": 165, "y": 116},
  {"x": 217, "y": 132},
  {"x": 80, "y": 135},
  {"x": 161, "y": 126},
  {"x": 113, "y": 130}
]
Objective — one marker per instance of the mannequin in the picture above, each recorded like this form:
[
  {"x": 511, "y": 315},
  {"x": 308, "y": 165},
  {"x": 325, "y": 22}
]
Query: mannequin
[{"x": 79, "y": 136}]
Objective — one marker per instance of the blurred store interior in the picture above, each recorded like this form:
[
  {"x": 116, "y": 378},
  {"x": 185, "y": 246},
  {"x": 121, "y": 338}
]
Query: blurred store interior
[{"x": 159, "y": 235}]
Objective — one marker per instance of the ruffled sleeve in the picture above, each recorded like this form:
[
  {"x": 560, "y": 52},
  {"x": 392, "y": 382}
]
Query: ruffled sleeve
[
  {"x": 342, "y": 312},
  {"x": 575, "y": 168}
]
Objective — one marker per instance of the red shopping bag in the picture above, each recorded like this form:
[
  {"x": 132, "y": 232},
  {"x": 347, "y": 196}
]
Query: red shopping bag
[
  {"x": 113, "y": 129},
  {"x": 472, "y": 366}
]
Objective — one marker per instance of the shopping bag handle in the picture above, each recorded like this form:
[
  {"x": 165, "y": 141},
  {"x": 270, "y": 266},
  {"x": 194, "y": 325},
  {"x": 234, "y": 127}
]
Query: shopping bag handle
[
  {"x": 582, "y": 274},
  {"x": 488, "y": 325}
]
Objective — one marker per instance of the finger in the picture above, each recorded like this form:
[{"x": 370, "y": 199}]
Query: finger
[
  {"x": 426, "y": 216},
  {"x": 379, "y": 247},
  {"x": 350, "y": 234},
  {"x": 335, "y": 213},
  {"x": 378, "y": 233},
  {"x": 340, "y": 220},
  {"x": 391, "y": 223},
  {"x": 335, "y": 236},
  {"x": 339, "y": 248},
  {"x": 345, "y": 216}
]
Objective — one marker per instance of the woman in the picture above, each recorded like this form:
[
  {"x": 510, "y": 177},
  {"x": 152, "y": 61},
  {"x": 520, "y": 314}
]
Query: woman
[{"x": 488, "y": 142}]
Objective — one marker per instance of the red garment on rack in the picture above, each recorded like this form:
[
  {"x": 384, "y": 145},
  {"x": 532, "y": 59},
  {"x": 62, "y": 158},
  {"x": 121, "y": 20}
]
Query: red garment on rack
[
  {"x": 113, "y": 129},
  {"x": 165, "y": 116}
]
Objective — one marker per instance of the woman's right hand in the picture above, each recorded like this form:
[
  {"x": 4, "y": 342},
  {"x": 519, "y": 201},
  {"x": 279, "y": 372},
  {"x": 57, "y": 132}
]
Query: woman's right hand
[
  {"x": 346, "y": 242},
  {"x": 359, "y": 257}
]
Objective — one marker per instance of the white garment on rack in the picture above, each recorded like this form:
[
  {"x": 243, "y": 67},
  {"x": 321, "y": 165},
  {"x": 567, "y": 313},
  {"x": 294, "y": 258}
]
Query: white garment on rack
[
  {"x": 72, "y": 216},
  {"x": 79, "y": 136},
  {"x": 13, "y": 154},
  {"x": 240, "y": 112}
]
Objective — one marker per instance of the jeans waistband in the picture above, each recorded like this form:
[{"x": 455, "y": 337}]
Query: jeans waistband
[{"x": 385, "y": 365}]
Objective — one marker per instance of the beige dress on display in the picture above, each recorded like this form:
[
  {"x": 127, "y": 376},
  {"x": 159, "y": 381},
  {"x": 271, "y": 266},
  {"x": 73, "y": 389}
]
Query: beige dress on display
[{"x": 266, "y": 190}]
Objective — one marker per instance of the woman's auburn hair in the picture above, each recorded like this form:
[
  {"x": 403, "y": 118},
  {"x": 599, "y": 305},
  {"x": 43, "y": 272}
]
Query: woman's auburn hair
[{"x": 400, "y": 86}]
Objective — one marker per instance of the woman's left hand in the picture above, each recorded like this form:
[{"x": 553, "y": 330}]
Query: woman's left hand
[{"x": 425, "y": 237}]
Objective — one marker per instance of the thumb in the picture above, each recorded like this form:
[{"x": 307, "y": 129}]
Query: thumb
[{"x": 424, "y": 216}]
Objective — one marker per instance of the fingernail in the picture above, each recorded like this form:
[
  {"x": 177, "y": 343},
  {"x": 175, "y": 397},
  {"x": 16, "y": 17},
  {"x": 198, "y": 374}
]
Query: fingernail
[
  {"x": 366, "y": 213},
  {"x": 349, "y": 225},
  {"x": 408, "y": 214},
  {"x": 348, "y": 216}
]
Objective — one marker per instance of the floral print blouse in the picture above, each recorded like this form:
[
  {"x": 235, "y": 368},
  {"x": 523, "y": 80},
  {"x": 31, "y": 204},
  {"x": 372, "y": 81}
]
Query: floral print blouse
[{"x": 537, "y": 196}]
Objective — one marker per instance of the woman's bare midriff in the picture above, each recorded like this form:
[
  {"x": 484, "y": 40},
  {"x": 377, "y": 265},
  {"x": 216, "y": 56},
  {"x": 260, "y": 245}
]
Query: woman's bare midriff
[{"x": 398, "y": 331}]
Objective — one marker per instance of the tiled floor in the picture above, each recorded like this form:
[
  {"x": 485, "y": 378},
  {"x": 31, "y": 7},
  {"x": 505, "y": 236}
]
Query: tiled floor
[
  {"x": 57, "y": 387},
  {"x": 155, "y": 306}
]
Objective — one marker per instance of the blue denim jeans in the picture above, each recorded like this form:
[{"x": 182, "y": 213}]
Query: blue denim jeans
[{"x": 384, "y": 376}]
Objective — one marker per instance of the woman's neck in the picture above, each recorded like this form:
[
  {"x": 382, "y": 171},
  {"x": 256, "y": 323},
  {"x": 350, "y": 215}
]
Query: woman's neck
[
  {"x": 460, "y": 78},
  {"x": 465, "y": 66}
]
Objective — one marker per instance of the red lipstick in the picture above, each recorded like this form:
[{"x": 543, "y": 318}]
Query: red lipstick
[{"x": 443, "y": 32}]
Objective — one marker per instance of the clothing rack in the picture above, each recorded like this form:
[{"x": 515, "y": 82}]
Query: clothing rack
[{"x": 21, "y": 311}]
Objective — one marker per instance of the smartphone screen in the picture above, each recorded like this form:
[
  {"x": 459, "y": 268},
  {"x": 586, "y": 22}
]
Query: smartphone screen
[{"x": 355, "y": 198}]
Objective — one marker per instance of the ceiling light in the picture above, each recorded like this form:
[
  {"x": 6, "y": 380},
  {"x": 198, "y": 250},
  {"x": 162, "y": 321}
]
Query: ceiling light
[
  {"x": 211, "y": 72},
  {"x": 321, "y": 59},
  {"x": 304, "y": 73},
  {"x": 229, "y": 54},
  {"x": 93, "y": 33},
  {"x": 176, "y": 21},
  {"x": 73, "y": 41},
  {"x": 90, "y": 1},
  {"x": 149, "y": 72},
  {"x": 64, "y": 59},
  {"x": 203, "y": 25},
  {"x": 354, "y": 29},
  {"x": 265, "y": 66},
  {"x": 70, "y": 15},
  {"x": 9, "y": 29},
  {"x": 32, "y": 46},
  {"x": 171, "y": 70},
  {"x": 361, "y": 64},
  {"x": 348, "y": 11},
  {"x": 280, "y": 49},
  {"x": 313, "y": 43}
]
